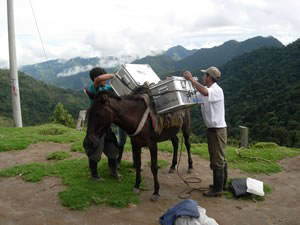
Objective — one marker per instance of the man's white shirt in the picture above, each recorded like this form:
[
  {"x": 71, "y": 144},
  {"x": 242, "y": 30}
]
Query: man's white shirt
[{"x": 213, "y": 110}]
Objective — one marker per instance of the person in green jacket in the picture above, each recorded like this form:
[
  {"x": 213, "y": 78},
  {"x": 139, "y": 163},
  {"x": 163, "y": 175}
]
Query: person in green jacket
[{"x": 108, "y": 142}]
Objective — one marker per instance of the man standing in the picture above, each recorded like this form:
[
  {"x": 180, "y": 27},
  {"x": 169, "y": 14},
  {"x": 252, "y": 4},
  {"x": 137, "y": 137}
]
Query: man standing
[{"x": 213, "y": 113}]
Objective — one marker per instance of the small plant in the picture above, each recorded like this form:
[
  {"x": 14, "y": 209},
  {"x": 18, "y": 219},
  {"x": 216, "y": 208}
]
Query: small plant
[
  {"x": 58, "y": 155},
  {"x": 62, "y": 116}
]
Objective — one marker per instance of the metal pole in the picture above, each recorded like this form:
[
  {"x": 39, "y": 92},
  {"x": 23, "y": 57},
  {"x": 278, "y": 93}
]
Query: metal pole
[{"x": 14, "y": 82}]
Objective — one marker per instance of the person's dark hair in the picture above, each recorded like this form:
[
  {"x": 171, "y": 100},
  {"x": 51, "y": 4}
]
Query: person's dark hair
[{"x": 95, "y": 72}]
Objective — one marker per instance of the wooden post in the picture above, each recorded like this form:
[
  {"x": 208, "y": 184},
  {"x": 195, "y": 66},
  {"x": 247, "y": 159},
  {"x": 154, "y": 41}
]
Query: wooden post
[
  {"x": 81, "y": 119},
  {"x": 244, "y": 137}
]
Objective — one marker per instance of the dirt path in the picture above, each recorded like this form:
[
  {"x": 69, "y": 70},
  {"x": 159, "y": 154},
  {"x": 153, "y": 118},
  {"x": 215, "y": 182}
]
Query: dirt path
[{"x": 25, "y": 203}]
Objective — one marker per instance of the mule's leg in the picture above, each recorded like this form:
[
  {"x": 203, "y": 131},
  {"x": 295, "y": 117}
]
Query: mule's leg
[
  {"x": 153, "y": 152},
  {"x": 94, "y": 170},
  {"x": 187, "y": 143},
  {"x": 186, "y": 131},
  {"x": 136, "y": 151},
  {"x": 175, "y": 151}
]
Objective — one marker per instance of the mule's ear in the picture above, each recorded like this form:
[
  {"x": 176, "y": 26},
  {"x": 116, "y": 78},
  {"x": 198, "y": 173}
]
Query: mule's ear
[{"x": 89, "y": 94}]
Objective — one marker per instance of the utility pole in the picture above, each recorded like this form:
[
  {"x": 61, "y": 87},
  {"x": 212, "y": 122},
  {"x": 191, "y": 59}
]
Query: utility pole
[{"x": 14, "y": 82}]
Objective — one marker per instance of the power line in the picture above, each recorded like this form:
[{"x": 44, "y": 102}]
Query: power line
[{"x": 37, "y": 27}]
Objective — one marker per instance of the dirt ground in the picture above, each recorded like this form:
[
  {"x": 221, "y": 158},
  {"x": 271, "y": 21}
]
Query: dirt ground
[{"x": 25, "y": 203}]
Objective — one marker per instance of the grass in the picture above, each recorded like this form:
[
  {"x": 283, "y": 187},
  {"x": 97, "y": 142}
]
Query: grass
[
  {"x": 263, "y": 157},
  {"x": 12, "y": 138},
  {"x": 260, "y": 158},
  {"x": 81, "y": 191},
  {"x": 58, "y": 155}
]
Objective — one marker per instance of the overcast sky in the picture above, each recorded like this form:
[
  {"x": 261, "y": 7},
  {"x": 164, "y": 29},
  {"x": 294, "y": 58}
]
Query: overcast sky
[{"x": 89, "y": 28}]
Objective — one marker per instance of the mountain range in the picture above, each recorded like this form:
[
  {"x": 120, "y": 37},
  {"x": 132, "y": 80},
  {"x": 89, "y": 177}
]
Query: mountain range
[{"x": 73, "y": 73}]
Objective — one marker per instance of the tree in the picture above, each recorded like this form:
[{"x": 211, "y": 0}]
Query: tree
[{"x": 62, "y": 116}]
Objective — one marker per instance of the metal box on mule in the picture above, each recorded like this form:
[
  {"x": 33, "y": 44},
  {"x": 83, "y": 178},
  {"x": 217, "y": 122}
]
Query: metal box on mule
[
  {"x": 173, "y": 94},
  {"x": 131, "y": 76}
]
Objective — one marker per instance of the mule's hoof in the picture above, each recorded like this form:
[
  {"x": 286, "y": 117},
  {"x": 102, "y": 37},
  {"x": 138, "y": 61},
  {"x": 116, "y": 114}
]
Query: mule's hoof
[
  {"x": 136, "y": 190},
  {"x": 171, "y": 170},
  {"x": 190, "y": 171},
  {"x": 155, "y": 198}
]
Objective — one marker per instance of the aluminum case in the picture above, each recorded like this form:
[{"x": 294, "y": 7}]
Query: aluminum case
[
  {"x": 131, "y": 76},
  {"x": 173, "y": 94}
]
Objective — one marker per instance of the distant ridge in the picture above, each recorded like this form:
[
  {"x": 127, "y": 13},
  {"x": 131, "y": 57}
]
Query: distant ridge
[{"x": 73, "y": 73}]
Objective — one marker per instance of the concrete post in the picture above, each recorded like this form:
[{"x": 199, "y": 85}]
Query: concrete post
[
  {"x": 81, "y": 119},
  {"x": 244, "y": 137}
]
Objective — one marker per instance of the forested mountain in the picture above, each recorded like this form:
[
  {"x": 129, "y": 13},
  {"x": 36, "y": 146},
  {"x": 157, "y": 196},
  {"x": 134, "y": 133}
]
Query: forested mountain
[
  {"x": 38, "y": 99},
  {"x": 178, "y": 52},
  {"x": 160, "y": 64},
  {"x": 164, "y": 64},
  {"x": 52, "y": 70},
  {"x": 219, "y": 55},
  {"x": 262, "y": 92}
]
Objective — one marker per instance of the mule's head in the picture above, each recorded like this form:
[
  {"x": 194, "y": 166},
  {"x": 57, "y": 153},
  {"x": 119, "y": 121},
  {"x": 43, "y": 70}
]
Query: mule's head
[{"x": 100, "y": 117}]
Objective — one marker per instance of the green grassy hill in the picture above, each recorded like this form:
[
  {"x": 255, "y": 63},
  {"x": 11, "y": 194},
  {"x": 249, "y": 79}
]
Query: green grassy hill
[{"x": 38, "y": 99}]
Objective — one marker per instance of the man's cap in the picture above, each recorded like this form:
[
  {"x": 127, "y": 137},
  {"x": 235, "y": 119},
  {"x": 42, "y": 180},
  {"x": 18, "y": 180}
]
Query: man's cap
[{"x": 214, "y": 72}]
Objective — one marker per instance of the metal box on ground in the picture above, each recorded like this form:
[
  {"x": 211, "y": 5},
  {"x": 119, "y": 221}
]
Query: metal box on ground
[
  {"x": 131, "y": 76},
  {"x": 172, "y": 94}
]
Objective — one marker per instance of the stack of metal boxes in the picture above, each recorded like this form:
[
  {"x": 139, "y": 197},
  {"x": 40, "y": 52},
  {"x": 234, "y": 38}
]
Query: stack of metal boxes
[{"x": 169, "y": 95}]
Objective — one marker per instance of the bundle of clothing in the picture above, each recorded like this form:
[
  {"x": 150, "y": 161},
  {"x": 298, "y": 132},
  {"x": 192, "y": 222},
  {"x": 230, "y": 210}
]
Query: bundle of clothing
[{"x": 186, "y": 212}]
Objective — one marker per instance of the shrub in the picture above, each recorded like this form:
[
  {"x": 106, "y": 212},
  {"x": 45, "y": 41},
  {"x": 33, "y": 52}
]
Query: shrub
[{"x": 62, "y": 116}]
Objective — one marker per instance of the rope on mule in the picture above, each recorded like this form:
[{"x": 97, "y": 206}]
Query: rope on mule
[{"x": 186, "y": 193}]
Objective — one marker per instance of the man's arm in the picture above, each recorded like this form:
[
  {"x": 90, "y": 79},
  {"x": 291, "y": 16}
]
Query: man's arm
[
  {"x": 203, "y": 90},
  {"x": 101, "y": 78}
]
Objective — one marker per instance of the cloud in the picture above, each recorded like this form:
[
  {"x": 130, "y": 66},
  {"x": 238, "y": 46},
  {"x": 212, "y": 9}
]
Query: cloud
[{"x": 97, "y": 28}]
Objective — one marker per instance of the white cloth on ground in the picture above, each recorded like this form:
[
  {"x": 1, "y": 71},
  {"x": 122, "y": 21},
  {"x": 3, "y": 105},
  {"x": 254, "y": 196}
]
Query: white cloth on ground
[{"x": 203, "y": 219}]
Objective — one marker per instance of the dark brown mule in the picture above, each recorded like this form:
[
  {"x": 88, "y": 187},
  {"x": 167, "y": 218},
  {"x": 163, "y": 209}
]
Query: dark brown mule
[{"x": 126, "y": 112}]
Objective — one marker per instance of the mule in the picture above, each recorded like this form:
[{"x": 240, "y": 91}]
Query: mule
[{"x": 127, "y": 112}]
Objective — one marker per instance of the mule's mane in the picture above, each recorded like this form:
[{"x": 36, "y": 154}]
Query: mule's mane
[{"x": 135, "y": 95}]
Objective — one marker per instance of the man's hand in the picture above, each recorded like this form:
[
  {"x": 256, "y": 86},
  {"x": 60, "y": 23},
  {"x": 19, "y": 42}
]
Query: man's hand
[{"x": 187, "y": 75}]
